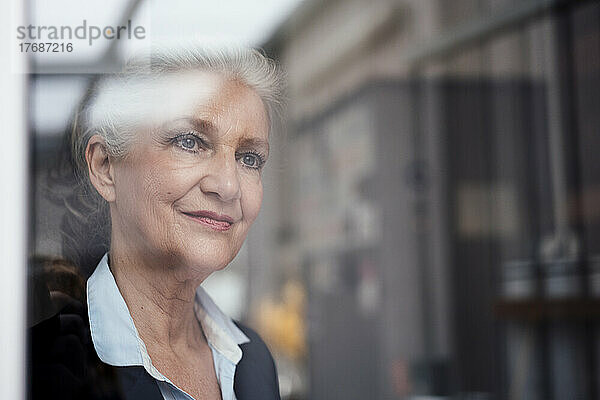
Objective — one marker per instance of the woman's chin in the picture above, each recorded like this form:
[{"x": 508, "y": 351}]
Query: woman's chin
[{"x": 205, "y": 263}]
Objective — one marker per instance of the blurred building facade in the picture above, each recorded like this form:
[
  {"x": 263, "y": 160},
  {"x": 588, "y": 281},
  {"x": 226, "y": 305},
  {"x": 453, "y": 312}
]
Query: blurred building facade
[{"x": 435, "y": 200}]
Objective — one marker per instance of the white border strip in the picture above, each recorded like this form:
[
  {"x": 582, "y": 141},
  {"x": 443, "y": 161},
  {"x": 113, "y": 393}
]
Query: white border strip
[{"x": 13, "y": 203}]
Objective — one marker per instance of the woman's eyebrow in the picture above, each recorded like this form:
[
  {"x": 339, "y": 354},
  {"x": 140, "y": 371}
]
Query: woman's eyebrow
[
  {"x": 202, "y": 125},
  {"x": 254, "y": 142},
  {"x": 197, "y": 124}
]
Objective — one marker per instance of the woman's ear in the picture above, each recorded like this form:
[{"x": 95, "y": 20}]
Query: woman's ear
[{"x": 100, "y": 167}]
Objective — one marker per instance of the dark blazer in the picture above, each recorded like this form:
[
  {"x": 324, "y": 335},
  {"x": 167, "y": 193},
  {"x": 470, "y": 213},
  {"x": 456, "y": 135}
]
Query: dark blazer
[{"x": 63, "y": 365}]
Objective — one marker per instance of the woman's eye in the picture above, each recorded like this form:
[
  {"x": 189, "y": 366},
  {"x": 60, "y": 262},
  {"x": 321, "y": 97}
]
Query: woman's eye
[
  {"x": 189, "y": 142},
  {"x": 252, "y": 160}
]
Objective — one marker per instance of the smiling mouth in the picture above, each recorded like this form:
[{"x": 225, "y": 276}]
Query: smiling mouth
[{"x": 210, "y": 219}]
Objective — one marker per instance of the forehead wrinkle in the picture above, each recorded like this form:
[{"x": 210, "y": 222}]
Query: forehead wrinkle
[
  {"x": 231, "y": 115},
  {"x": 237, "y": 125},
  {"x": 229, "y": 131}
]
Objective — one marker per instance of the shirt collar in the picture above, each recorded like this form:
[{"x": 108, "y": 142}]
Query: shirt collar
[{"x": 116, "y": 339}]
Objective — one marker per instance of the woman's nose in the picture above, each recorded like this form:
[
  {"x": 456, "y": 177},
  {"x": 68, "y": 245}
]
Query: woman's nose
[{"x": 222, "y": 177}]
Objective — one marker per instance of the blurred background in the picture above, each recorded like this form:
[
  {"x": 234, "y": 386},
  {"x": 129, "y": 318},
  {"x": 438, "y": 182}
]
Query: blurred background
[{"x": 431, "y": 221}]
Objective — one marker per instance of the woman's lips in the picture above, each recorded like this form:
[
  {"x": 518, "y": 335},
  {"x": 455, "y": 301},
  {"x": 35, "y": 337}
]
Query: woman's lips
[{"x": 219, "y": 222}]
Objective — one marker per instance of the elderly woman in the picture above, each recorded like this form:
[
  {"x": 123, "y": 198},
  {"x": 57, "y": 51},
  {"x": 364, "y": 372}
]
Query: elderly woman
[{"x": 174, "y": 146}]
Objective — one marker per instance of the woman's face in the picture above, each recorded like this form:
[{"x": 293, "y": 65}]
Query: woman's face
[{"x": 190, "y": 187}]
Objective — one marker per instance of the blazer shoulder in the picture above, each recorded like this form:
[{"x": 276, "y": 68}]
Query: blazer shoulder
[
  {"x": 256, "y": 374},
  {"x": 63, "y": 363}
]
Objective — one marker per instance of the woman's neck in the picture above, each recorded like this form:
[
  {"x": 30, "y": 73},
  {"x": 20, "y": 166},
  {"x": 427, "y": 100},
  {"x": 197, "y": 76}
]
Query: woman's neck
[{"x": 160, "y": 298}]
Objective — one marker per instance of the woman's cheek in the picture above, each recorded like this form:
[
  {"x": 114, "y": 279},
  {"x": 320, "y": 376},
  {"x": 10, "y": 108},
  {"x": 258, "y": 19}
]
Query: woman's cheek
[{"x": 252, "y": 194}]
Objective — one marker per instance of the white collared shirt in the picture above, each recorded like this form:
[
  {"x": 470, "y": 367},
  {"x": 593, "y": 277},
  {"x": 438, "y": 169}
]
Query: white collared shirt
[{"x": 118, "y": 343}]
